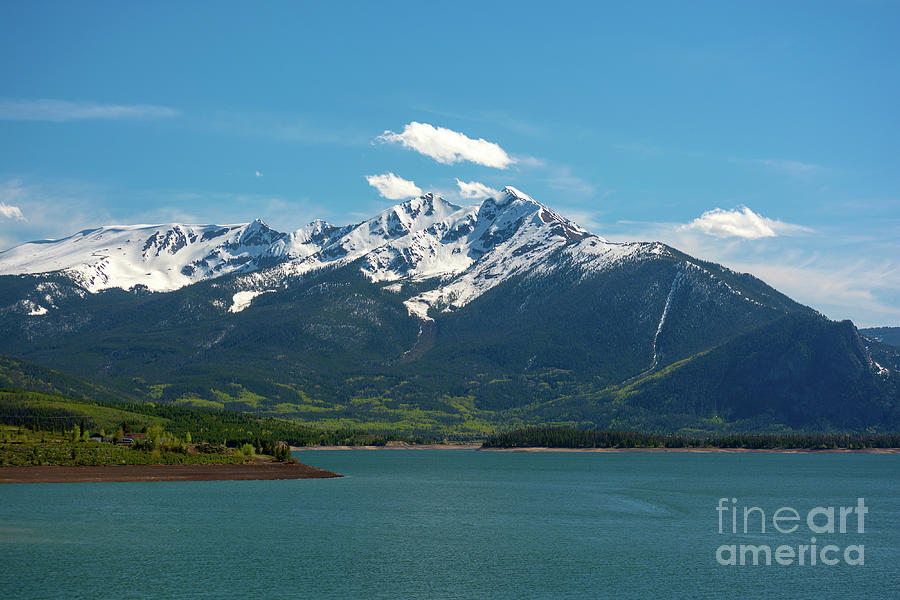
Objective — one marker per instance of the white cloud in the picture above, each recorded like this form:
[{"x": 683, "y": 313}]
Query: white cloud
[
  {"x": 740, "y": 222},
  {"x": 474, "y": 189},
  {"x": 11, "y": 194},
  {"x": 11, "y": 212},
  {"x": 63, "y": 110},
  {"x": 392, "y": 187},
  {"x": 259, "y": 173},
  {"x": 447, "y": 146}
]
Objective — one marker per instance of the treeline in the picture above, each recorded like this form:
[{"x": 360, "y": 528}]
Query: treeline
[
  {"x": 213, "y": 426},
  {"x": 564, "y": 437},
  {"x": 16, "y": 410},
  {"x": 236, "y": 428}
]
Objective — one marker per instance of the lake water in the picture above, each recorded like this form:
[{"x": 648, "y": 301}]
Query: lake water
[{"x": 455, "y": 524}]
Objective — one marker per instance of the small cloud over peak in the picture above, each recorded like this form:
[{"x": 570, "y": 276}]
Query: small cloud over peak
[
  {"x": 474, "y": 189},
  {"x": 447, "y": 146},
  {"x": 740, "y": 222},
  {"x": 11, "y": 212},
  {"x": 11, "y": 191},
  {"x": 393, "y": 187}
]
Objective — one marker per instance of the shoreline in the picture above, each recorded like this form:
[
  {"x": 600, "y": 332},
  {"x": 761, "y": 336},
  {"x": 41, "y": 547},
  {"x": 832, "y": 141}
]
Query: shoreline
[
  {"x": 706, "y": 450},
  {"x": 123, "y": 473},
  {"x": 392, "y": 446},
  {"x": 479, "y": 448}
]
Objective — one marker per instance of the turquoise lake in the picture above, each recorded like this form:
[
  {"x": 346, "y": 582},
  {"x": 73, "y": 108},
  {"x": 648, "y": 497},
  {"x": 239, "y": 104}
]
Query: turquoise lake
[{"x": 454, "y": 524}]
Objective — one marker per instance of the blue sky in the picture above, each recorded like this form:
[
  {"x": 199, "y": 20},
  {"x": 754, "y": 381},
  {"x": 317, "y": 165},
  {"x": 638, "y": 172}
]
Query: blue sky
[{"x": 763, "y": 135}]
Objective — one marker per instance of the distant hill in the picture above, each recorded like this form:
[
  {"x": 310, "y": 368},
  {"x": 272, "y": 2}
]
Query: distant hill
[{"x": 887, "y": 335}]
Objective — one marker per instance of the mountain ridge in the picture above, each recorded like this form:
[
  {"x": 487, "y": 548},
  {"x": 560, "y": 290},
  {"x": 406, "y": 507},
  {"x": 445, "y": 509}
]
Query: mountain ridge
[
  {"x": 421, "y": 238},
  {"x": 430, "y": 317}
]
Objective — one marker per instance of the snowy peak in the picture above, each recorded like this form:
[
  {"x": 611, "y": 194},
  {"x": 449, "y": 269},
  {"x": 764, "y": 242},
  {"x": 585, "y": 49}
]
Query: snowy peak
[
  {"x": 393, "y": 228},
  {"x": 512, "y": 193},
  {"x": 509, "y": 234},
  {"x": 257, "y": 233},
  {"x": 160, "y": 257},
  {"x": 511, "y": 210},
  {"x": 169, "y": 241},
  {"x": 559, "y": 224},
  {"x": 463, "y": 250},
  {"x": 410, "y": 216},
  {"x": 426, "y": 205}
]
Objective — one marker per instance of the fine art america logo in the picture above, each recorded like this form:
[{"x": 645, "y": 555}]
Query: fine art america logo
[{"x": 818, "y": 521}]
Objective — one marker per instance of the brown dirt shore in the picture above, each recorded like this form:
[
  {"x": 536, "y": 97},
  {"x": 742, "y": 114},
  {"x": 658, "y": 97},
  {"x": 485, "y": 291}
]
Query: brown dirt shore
[
  {"x": 253, "y": 471},
  {"x": 707, "y": 450}
]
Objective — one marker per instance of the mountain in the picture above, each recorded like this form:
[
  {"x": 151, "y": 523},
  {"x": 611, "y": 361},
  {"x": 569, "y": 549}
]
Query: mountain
[
  {"x": 883, "y": 344},
  {"x": 469, "y": 249},
  {"x": 19, "y": 374},
  {"x": 161, "y": 258},
  {"x": 885, "y": 335},
  {"x": 431, "y": 317}
]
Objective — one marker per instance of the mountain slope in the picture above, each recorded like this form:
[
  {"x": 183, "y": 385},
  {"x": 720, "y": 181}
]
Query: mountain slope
[
  {"x": 19, "y": 374},
  {"x": 161, "y": 258},
  {"x": 885, "y": 335},
  {"x": 431, "y": 317},
  {"x": 795, "y": 372}
]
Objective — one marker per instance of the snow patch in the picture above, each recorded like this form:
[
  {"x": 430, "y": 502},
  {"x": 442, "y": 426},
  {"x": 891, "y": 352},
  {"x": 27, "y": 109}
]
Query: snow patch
[
  {"x": 461, "y": 252},
  {"x": 37, "y": 310},
  {"x": 418, "y": 307},
  {"x": 242, "y": 300}
]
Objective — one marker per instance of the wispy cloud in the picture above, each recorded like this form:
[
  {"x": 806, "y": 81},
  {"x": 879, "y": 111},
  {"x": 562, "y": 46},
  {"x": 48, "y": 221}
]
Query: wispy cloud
[
  {"x": 259, "y": 173},
  {"x": 64, "y": 110},
  {"x": 392, "y": 187},
  {"x": 563, "y": 179},
  {"x": 850, "y": 289},
  {"x": 529, "y": 162},
  {"x": 639, "y": 148},
  {"x": 789, "y": 167},
  {"x": 53, "y": 210},
  {"x": 474, "y": 190},
  {"x": 447, "y": 146},
  {"x": 280, "y": 127},
  {"x": 501, "y": 118},
  {"x": 740, "y": 222},
  {"x": 58, "y": 208}
]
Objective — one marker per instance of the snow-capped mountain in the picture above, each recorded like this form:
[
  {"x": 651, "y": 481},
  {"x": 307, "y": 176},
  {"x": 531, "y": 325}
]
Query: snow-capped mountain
[
  {"x": 160, "y": 257},
  {"x": 464, "y": 250},
  {"x": 430, "y": 313}
]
